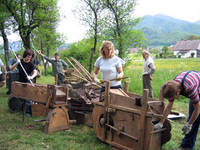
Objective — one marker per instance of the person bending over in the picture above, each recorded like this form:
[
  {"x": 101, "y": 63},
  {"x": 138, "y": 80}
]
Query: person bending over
[{"x": 187, "y": 84}]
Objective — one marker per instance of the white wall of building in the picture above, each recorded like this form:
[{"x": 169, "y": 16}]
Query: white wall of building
[{"x": 187, "y": 54}]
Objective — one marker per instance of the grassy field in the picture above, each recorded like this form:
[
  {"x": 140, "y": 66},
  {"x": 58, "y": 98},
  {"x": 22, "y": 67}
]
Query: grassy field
[
  {"x": 166, "y": 69},
  {"x": 28, "y": 135}
]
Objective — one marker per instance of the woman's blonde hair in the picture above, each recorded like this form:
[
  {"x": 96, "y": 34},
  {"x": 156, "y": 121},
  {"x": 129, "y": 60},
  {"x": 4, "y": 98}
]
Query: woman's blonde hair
[{"x": 106, "y": 44}]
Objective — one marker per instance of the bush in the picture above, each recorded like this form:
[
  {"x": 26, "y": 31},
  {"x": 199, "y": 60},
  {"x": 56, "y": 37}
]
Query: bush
[{"x": 81, "y": 51}]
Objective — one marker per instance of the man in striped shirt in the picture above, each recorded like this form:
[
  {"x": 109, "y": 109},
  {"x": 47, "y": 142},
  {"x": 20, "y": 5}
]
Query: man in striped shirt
[{"x": 186, "y": 84}]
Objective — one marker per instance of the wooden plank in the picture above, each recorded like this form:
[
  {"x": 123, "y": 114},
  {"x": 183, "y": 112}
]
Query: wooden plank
[
  {"x": 57, "y": 120},
  {"x": 124, "y": 133},
  {"x": 126, "y": 86},
  {"x": 38, "y": 110},
  {"x": 38, "y": 92},
  {"x": 107, "y": 102},
  {"x": 60, "y": 93},
  {"x": 124, "y": 101},
  {"x": 119, "y": 92},
  {"x": 132, "y": 110},
  {"x": 142, "y": 121},
  {"x": 119, "y": 146}
]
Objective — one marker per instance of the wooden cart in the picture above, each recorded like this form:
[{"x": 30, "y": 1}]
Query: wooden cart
[{"x": 125, "y": 121}]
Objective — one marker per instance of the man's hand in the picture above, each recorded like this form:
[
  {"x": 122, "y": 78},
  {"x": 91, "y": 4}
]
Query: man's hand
[
  {"x": 158, "y": 126},
  {"x": 18, "y": 61},
  {"x": 186, "y": 128},
  {"x": 64, "y": 71},
  {"x": 40, "y": 53},
  {"x": 29, "y": 77}
]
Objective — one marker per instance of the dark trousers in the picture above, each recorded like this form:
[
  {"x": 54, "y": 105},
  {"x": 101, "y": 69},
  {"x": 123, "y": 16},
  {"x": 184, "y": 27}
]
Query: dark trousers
[
  {"x": 103, "y": 89},
  {"x": 147, "y": 84},
  {"x": 12, "y": 76},
  {"x": 190, "y": 138},
  {"x": 28, "y": 107},
  {"x": 61, "y": 79}
]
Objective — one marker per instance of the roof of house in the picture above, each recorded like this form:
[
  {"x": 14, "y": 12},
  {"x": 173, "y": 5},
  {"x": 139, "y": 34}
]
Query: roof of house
[
  {"x": 133, "y": 50},
  {"x": 187, "y": 45}
]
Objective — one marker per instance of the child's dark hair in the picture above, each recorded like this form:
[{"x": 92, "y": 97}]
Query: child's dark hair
[
  {"x": 56, "y": 54},
  {"x": 28, "y": 52}
]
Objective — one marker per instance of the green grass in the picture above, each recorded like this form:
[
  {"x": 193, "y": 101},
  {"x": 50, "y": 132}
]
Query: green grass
[
  {"x": 15, "y": 134},
  {"x": 29, "y": 135},
  {"x": 166, "y": 69}
]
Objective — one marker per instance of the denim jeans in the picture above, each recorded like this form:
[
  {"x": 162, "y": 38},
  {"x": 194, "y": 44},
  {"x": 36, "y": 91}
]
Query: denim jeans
[
  {"x": 28, "y": 107},
  {"x": 190, "y": 138}
]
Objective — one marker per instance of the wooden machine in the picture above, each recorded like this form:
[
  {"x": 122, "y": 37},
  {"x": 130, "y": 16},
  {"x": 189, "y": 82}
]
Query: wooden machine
[
  {"x": 53, "y": 101},
  {"x": 122, "y": 119},
  {"x": 50, "y": 100},
  {"x": 125, "y": 120}
]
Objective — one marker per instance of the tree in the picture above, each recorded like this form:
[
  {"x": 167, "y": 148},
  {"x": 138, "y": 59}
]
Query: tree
[
  {"x": 30, "y": 14},
  {"x": 47, "y": 40},
  {"x": 193, "y": 37},
  {"x": 120, "y": 21},
  {"x": 165, "y": 50},
  {"x": 80, "y": 51},
  {"x": 90, "y": 14},
  {"x": 4, "y": 29},
  {"x": 133, "y": 37}
]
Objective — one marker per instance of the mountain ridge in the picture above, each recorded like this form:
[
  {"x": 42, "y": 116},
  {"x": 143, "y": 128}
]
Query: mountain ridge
[
  {"x": 158, "y": 29},
  {"x": 165, "y": 30}
]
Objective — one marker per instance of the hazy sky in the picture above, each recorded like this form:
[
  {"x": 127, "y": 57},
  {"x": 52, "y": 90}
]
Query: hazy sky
[
  {"x": 181, "y": 9},
  {"x": 188, "y": 10}
]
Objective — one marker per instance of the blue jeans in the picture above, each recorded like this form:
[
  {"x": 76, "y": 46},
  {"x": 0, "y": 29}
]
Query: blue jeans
[
  {"x": 28, "y": 107},
  {"x": 190, "y": 138}
]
